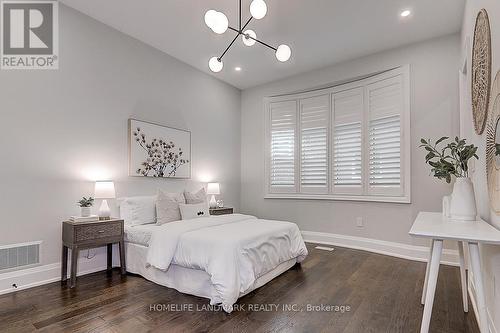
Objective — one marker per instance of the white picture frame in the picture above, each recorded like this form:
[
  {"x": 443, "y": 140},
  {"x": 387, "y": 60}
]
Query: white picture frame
[{"x": 158, "y": 151}]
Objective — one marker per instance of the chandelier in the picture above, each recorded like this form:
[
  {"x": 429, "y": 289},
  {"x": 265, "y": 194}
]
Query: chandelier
[{"x": 219, "y": 24}]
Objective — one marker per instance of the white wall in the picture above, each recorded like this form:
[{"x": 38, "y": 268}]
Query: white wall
[
  {"x": 490, "y": 254},
  {"x": 434, "y": 113},
  {"x": 62, "y": 129}
]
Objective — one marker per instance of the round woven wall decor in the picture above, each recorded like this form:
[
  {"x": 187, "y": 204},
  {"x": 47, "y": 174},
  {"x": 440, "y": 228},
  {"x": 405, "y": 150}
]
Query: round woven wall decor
[
  {"x": 481, "y": 70},
  {"x": 492, "y": 139}
]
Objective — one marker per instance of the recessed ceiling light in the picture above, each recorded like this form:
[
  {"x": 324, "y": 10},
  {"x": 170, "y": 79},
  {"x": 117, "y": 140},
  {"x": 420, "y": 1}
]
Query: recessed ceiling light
[
  {"x": 405, "y": 13},
  {"x": 237, "y": 69}
]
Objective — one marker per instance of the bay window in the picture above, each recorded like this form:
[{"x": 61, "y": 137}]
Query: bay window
[{"x": 348, "y": 142}]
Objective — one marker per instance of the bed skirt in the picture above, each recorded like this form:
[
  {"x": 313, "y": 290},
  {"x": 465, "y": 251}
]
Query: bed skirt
[{"x": 188, "y": 280}]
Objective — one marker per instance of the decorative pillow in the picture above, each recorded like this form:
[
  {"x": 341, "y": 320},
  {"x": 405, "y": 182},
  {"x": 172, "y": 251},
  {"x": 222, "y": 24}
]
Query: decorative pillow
[
  {"x": 138, "y": 210},
  {"x": 194, "y": 198},
  {"x": 191, "y": 211},
  {"x": 167, "y": 207}
]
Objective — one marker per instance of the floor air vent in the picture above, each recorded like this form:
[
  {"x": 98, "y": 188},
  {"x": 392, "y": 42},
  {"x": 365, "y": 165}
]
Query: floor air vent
[{"x": 19, "y": 255}]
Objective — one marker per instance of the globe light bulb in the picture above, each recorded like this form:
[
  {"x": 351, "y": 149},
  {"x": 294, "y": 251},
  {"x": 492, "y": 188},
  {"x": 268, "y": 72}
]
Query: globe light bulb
[
  {"x": 258, "y": 9},
  {"x": 215, "y": 64},
  {"x": 220, "y": 23},
  {"x": 210, "y": 17},
  {"x": 248, "y": 41},
  {"x": 283, "y": 53}
]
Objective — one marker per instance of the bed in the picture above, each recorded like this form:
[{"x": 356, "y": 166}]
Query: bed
[{"x": 220, "y": 257}]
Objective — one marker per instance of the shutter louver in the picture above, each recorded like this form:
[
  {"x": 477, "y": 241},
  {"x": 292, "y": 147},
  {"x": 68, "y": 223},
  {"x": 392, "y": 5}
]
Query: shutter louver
[
  {"x": 347, "y": 160},
  {"x": 385, "y": 151},
  {"x": 347, "y": 167},
  {"x": 385, "y": 107},
  {"x": 282, "y": 164},
  {"x": 314, "y": 144}
]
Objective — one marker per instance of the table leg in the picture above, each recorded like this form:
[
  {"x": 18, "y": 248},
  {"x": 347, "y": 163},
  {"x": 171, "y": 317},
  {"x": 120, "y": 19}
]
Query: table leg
[
  {"x": 475, "y": 261},
  {"x": 437, "y": 248},
  {"x": 121, "y": 245},
  {"x": 463, "y": 275},
  {"x": 64, "y": 264},
  {"x": 74, "y": 262},
  {"x": 427, "y": 273},
  {"x": 110, "y": 257}
]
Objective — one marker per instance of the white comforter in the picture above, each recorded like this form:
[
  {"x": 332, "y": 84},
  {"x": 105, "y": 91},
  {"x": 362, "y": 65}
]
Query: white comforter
[{"x": 234, "y": 250}]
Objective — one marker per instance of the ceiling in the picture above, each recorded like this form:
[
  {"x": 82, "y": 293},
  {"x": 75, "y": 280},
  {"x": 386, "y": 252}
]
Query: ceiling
[{"x": 319, "y": 32}]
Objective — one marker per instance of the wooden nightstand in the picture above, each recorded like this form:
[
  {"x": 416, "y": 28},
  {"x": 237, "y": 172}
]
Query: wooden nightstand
[
  {"x": 221, "y": 211},
  {"x": 85, "y": 235}
]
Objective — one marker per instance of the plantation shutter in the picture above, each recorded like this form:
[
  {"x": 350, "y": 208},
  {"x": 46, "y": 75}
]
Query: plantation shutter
[
  {"x": 314, "y": 122},
  {"x": 283, "y": 124},
  {"x": 385, "y": 106},
  {"x": 347, "y": 146},
  {"x": 346, "y": 142}
]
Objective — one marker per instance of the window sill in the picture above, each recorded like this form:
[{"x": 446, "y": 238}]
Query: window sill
[{"x": 339, "y": 197}]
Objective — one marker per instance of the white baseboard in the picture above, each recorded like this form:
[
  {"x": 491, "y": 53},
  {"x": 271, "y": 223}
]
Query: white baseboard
[
  {"x": 400, "y": 250},
  {"x": 471, "y": 288},
  {"x": 491, "y": 324},
  {"x": 39, "y": 275}
]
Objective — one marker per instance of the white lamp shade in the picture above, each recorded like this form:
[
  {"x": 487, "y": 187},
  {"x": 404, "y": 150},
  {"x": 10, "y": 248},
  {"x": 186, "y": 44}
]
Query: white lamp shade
[
  {"x": 213, "y": 188},
  {"x": 258, "y": 9},
  {"x": 220, "y": 23},
  {"x": 215, "y": 64},
  {"x": 283, "y": 53},
  {"x": 210, "y": 18},
  {"x": 104, "y": 190},
  {"x": 249, "y": 41},
  {"x": 216, "y": 21}
]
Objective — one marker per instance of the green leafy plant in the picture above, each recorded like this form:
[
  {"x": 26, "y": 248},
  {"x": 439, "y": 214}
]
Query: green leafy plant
[
  {"x": 86, "y": 202},
  {"x": 450, "y": 160}
]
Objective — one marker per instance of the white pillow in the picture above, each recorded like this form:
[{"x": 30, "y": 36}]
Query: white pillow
[
  {"x": 191, "y": 211},
  {"x": 167, "y": 207},
  {"x": 138, "y": 210},
  {"x": 196, "y": 197}
]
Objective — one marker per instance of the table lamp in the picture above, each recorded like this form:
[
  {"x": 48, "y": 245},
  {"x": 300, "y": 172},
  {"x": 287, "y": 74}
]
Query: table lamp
[
  {"x": 213, "y": 189},
  {"x": 104, "y": 190}
]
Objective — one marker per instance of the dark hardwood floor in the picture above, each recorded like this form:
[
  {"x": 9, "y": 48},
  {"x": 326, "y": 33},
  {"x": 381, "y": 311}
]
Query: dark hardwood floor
[{"x": 382, "y": 293}]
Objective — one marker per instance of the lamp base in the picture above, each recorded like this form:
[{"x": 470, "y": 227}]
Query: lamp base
[
  {"x": 104, "y": 211},
  {"x": 213, "y": 202}
]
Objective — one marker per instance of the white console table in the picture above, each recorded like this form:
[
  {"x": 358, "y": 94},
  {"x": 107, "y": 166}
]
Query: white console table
[{"x": 438, "y": 228}]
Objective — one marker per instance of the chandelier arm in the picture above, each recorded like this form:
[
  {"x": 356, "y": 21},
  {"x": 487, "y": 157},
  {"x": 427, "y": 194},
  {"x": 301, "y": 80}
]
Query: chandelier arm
[
  {"x": 227, "y": 48},
  {"x": 243, "y": 28},
  {"x": 259, "y": 41},
  {"x": 255, "y": 39}
]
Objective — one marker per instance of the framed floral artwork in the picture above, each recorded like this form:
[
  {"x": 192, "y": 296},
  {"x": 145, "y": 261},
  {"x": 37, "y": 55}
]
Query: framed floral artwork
[{"x": 158, "y": 151}]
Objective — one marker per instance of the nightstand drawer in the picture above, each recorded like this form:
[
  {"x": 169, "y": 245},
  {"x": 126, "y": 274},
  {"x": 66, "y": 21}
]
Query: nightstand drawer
[
  {"x": 89, "y": 232},
  {"x": 221, "y": 211}
]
